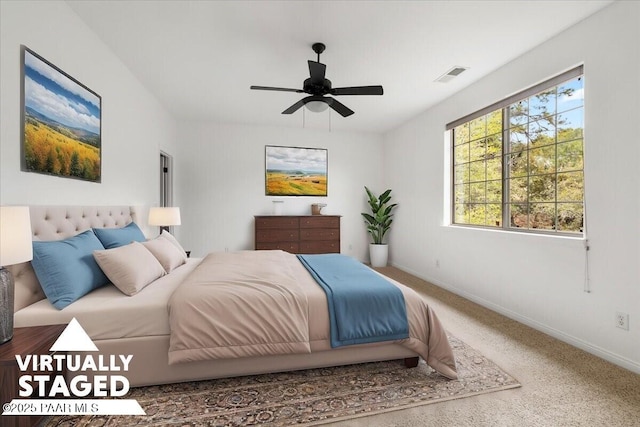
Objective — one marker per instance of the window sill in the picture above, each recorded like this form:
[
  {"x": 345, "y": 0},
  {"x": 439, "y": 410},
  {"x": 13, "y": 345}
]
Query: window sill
[{"x": 523, "y": 234}]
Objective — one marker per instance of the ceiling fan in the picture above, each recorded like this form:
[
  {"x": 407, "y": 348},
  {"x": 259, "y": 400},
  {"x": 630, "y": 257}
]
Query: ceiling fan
[{"x": 317, "y": 86}]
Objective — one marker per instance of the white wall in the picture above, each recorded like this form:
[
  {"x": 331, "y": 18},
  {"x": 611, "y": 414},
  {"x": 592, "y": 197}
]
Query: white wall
[
  {"x": 220, "y": 182},
  {"x": 134, "y": 125},
  {"x": 539, "y": 279}
]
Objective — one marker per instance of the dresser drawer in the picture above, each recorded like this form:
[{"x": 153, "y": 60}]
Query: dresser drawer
[
  {"x": 320, "y": 234},
  {"x": 319, "y": 247},
  {"x": 291, "y": 247},
  {"x": 273, "y": 235},
  {"x": 277, "y": 222},
  {"x": 320, "y": 221}
]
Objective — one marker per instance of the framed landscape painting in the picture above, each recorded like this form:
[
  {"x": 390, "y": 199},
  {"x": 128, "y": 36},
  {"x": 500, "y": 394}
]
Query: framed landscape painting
[
  {"x": 295, "y": 171},
  {"x": 61, "y": 122}
]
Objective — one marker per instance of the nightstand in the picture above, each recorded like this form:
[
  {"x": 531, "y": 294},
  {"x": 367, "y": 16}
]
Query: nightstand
[{"x": 30, "y": 340}]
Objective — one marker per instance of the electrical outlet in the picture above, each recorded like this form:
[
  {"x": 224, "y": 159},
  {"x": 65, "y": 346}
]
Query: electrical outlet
[{"x": 622, "y": 321}]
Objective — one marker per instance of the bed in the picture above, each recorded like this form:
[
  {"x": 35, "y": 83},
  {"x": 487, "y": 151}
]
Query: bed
[{"x": 141, "y": 325}]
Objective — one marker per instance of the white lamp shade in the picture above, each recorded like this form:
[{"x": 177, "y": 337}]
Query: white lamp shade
[
  {"x": 15, "y": 235},
  {"x": 316, "y": 106},
  {"x": 164, "y": 216}
]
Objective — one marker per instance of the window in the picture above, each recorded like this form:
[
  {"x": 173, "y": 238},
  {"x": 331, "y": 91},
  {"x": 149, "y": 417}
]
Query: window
[{"x": 518, "y": 164}]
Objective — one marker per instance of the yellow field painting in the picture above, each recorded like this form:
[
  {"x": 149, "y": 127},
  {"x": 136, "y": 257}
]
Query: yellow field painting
[
  {"x": 61, "y": 122},
  {"x": 283, "y": 184},
  {"x": 48, "y": 151}
]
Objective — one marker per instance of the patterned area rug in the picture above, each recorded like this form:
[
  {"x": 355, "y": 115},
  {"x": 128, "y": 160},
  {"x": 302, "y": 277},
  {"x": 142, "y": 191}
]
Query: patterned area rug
[{"x": 310, "y": 397}]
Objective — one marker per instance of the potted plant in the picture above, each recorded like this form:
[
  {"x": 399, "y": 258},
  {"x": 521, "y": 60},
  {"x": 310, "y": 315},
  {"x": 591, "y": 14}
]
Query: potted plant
[{"x": 378, "y": 222}]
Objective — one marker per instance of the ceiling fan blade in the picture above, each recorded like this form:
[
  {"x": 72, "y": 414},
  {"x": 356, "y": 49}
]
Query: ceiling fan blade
[
  {"x": 295, "y": 107},
  {"x": 280, "y": 89},
  {"x": 317, "y": 71},
  {"x": 340, "y": 108},
  {"x": 357, "y": 90}
]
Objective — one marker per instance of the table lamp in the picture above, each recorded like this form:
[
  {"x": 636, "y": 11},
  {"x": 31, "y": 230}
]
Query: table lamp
[
  {"x": 15, "y": 247},
  {"x": 164, "y": 217}
]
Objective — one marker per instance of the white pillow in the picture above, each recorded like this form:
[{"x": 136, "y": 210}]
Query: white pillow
[
  {"x": 165, "y": 234},
  {"x": 130, "y": 268},
  {"x": 166, "y": 252}
]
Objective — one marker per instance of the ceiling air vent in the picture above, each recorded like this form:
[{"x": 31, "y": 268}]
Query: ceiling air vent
[{"x": 449, "y": 75}]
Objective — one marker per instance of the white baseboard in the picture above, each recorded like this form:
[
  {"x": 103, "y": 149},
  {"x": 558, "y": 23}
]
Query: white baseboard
[{"x": 562, "y": 336}]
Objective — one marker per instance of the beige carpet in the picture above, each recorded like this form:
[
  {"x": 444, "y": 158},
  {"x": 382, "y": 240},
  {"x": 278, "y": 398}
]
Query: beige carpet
[
  {"x": 561, "y": 385},
  {"x": 308, "y": 397}
]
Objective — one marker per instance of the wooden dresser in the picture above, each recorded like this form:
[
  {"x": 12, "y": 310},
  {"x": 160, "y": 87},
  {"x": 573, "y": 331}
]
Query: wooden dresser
[{"x": 309, "y": 234}]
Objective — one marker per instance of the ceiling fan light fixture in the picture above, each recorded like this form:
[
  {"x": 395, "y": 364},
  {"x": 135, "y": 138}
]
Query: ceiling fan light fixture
[{"x": 316, "y": 106}]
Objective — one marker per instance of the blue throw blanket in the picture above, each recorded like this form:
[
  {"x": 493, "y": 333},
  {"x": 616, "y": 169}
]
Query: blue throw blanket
[{"x": 363, "y": 306}]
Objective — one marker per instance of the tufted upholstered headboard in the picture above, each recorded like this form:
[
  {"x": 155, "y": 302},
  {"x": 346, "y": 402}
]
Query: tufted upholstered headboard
[{"x": 57, "y": 223}]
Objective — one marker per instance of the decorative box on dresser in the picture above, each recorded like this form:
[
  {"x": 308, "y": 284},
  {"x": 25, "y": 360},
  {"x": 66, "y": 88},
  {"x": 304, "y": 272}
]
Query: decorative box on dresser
[{"x": 306, "y": 234}]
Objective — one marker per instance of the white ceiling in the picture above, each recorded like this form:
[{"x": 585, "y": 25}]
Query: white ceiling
[{"x": 200, "y": 57}]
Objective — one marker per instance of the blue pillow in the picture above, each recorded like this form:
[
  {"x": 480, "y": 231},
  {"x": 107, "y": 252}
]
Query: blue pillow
[
  {"x": 116, "y": 237},
  {"x": 66, "y": 268}
]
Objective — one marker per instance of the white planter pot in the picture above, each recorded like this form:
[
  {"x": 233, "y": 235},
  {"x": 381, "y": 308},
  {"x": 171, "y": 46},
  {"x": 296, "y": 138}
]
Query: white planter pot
[{"x": 378, "y": 255}]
